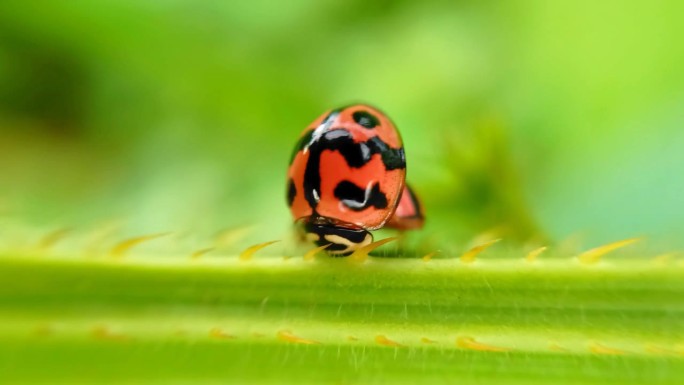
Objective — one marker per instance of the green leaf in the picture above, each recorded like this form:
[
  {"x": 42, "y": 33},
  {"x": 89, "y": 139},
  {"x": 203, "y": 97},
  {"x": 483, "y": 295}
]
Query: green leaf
[{"x": 283, "y": 320}]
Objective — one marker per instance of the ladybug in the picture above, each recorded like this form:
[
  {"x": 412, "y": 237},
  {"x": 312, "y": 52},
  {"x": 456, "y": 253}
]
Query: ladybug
[{"x": 347, "y": 177}]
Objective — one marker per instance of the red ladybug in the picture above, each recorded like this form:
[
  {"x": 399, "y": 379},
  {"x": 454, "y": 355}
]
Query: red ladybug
[{"x": 347, "y": 177}]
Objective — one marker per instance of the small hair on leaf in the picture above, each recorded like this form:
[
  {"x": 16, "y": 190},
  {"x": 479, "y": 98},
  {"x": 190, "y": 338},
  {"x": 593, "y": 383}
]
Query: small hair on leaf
[
  {"x": 122, "y": 248},
  {"x": 470, "y": 343},
  {"x": 287, "y": 336},
  {"x": 470, "y": 255},
  {"x": 532, "y": 255},
  {"x": 247, "y": 254},
  {"x": 311, "y": 254},
  {"x": 594, "y": 255},
  {"x": 361, "y": 254}
]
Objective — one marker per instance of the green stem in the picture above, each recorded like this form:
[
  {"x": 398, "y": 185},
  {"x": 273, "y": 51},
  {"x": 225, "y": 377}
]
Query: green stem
[{"x": 386, "y": 320}]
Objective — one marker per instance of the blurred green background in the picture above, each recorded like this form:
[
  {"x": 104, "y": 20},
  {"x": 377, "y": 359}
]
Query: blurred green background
[{"x": 559, "y": 118}]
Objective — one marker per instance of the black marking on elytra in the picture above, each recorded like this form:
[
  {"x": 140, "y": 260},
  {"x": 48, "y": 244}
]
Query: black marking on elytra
[
  {"x": 355, "y": 154},
  {"x": 392, "y": 158},
  {"x": 356, "y": 198},
  {"x": 301, "y": 144},
  {"x": 291, "y": 192},
  {"x": 365, "y": 119},
  {"x": 304, "y": 141},
  {"x": 353, "y": 235}
]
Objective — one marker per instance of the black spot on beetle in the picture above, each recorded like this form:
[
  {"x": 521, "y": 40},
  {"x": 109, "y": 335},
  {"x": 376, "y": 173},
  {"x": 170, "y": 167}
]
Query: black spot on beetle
[
  {"x": 365, "y": 119},
  {"x": 301, "y": 143},
  {"x": 359, "y": 199},
  {"x": 291, "y": 192},
  {"x": 355, "y": 154},
  {"x": 392, "y": 158}
]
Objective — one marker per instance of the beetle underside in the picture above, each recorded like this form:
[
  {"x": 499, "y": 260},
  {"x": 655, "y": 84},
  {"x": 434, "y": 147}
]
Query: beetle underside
[{"x": 343, "y": 240}]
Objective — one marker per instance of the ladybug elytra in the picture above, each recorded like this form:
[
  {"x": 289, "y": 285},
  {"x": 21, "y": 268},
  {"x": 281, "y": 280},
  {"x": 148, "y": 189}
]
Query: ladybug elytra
[{"x": 347, "y": 177}]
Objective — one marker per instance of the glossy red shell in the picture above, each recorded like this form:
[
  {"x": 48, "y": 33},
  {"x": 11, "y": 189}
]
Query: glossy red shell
[{"x": 333, "y": 169}]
